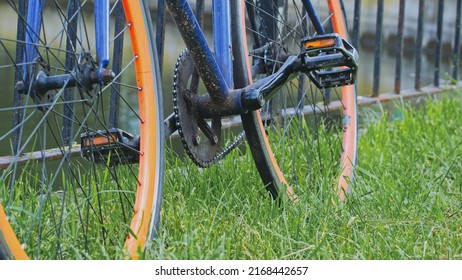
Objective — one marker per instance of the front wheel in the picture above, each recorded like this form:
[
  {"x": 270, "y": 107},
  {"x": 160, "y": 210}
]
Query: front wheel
[
  {"x": 304, "y": 136},
  {"x": 81, "y": 160}
]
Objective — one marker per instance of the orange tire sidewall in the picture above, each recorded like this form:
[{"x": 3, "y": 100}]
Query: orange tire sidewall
[
  {"x": 147, "y": 175},
  {"x": 348, "y": 156},
  {"x": 9, "y": 240}
]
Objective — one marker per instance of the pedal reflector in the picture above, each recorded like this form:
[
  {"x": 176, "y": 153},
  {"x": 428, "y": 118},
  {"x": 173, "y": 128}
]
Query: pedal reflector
[{"x": 320, "y": 43}]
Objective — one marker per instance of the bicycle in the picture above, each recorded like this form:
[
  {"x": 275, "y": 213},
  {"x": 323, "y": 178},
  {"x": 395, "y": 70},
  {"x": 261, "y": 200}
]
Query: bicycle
[{"x": 56, "y": 190}]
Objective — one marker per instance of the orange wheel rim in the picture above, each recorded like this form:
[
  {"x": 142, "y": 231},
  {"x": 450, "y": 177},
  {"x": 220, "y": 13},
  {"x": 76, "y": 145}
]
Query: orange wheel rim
[
  {"x": 143, "y": 208},
  {"x": 8, "y": 237}
]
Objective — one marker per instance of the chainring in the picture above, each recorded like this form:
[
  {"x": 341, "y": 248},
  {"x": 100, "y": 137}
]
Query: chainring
[{"x": 200, "y": 138}]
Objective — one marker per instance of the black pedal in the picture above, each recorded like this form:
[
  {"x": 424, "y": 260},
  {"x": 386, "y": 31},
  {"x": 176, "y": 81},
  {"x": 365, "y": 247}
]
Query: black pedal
[
  {"x": 329, "y": 60},
  {"x": 110, "y": 147}
]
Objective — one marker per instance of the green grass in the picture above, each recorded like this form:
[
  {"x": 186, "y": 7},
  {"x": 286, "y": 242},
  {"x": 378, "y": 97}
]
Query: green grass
[
  {"x": 406, "y": 202},
  {"x": 37, "y": 213}
]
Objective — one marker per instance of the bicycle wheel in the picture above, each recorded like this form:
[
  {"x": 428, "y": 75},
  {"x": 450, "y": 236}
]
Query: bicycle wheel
[
  {"x": 81, "y": 159},
  {"x": 303, "y": 135}
]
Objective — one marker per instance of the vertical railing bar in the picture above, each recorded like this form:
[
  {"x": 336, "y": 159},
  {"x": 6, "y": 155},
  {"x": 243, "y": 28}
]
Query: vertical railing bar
[
  {"x": 418, "y": 47},
  {"x": 160, "y": 33},
  {"x": 378, "y": 48},
  {"x": 456, "y": 52},
  {"x": 439, "y": 35},
  {"x": 356, "y": 24},
  {"x": 399, "y": 46}
]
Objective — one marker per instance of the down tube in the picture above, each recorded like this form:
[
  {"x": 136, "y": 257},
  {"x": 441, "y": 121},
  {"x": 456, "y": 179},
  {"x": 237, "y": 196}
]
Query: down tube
[{"x": 198, "y": 47}]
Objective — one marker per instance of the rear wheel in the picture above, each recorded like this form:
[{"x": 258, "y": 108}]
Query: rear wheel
[
  {"x": 82, "y": 163},
  {"x": 304, "y": 135}
]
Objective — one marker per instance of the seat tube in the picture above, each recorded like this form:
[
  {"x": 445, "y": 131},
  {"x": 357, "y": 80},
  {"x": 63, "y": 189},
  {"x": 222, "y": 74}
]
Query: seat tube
[{"x": 222, "y": 39}]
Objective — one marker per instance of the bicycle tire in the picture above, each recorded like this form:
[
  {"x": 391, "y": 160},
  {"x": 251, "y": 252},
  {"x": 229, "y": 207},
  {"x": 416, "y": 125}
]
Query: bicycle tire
[
  {"x": 84, "y": 193},
  {"x": 285, "y": 165}
]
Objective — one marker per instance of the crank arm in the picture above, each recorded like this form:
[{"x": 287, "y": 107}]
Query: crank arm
[{"x": 328, "y": 60}]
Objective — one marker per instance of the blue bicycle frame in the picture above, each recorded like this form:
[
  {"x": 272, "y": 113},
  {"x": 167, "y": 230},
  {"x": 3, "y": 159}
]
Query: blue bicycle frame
[
  {"x": 215, "y": 68},
  {"x": 34, "y": 26}
]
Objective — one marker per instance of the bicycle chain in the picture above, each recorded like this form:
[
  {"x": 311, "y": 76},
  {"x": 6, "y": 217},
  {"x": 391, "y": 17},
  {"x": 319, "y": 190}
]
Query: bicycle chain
[{"x": 180, "y": 91}]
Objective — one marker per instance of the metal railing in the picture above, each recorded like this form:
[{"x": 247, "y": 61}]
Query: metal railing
[{"x": 419, "y": 44}]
